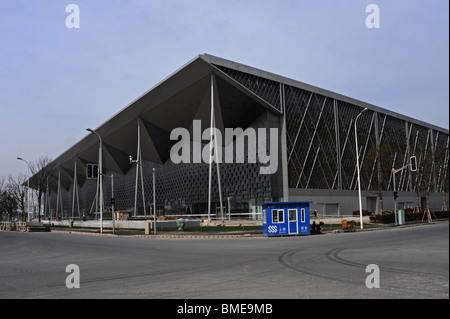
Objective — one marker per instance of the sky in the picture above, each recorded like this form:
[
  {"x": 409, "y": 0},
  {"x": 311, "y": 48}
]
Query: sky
[{"x": 56, "y": 81}]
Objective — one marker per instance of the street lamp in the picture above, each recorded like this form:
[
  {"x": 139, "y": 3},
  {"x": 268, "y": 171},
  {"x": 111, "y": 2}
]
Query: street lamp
[
  {"x": 154, "y": 202},
  {"x": 357, "y": 166},
  {"x": 100, "y": 173},
  {"x": 28, "y": 184}
]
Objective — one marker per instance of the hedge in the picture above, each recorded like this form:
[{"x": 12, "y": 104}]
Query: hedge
[{"x": 409, "y": 216}]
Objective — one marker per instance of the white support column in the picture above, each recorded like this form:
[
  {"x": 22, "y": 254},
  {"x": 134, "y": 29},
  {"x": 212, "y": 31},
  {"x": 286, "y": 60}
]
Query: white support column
[
  {"x": 284, "y": 160},
  {"x": 142, "y": 174},
  {"x": 137, "y": 165},
  {"x": 139, "y": 170},
  {"x": 58, "y": 195},
  {"x": 100, "y": 178},
  {"x": 213, "y": 139},
  {"x": 74, "y": 186},
  {"x": 47, "y": 202},
  {"x": 210, "y": 147},
  {"x": 357, "y": 166},
  {"x": 218, "y": 169},
  {"x": 75, "y": 191}
]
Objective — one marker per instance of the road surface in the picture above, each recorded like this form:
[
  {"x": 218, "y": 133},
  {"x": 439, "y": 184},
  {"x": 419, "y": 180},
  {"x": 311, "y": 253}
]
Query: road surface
[{"x": 411, "y": 262}]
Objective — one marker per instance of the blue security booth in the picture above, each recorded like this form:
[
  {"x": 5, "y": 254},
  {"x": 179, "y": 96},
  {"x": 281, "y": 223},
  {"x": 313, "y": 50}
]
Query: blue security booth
[{"x": 286, "y": 218}]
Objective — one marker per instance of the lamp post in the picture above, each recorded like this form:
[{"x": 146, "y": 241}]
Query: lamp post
[
  {"x": 135, "y": 185},
  {"x": 100, "y": 173},
  {"x": 113, "y": 202},
  {"x": 28, "y": 184},
  {"x": 413, "y": 167},
  {"x": 229, "y": 210},
  {"x": 357, "y": 167},
  {"x": 154, "y": 202},
  {"x": 394, "y": 171}
]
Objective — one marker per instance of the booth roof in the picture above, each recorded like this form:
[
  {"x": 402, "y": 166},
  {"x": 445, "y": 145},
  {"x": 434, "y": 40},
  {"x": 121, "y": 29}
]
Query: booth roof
[{"x": 286, "y": 203}]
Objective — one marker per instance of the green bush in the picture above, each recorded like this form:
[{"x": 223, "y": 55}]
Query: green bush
[{"x": 409, "y": 216}]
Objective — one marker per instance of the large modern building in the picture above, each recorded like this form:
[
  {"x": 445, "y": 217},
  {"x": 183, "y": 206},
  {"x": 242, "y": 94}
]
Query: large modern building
[{"x": 313, "y": 153}]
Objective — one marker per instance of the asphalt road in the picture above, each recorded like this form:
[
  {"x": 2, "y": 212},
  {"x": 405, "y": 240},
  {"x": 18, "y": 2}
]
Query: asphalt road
[{"x": 413, "y": 262}]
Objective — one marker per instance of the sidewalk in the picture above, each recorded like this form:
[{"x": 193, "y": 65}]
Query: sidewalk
[
  {"x": 233, "y": 233},
  {"x": 391, "y": 226}
]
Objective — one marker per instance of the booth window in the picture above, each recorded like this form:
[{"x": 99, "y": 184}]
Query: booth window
[
  {"x": 281, "y": 216},
  {"x": 277, "y": 216},
  {"x": 292, "y": 215},
  {"x": 264, "y": 216},
  {"x": 274, "y": 216},
  {"x": 303, "y": 215}
]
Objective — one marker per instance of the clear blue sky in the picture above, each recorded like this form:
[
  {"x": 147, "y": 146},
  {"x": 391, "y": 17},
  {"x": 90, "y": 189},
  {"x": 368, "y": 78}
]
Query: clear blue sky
[{"x": 55, "y": 82}]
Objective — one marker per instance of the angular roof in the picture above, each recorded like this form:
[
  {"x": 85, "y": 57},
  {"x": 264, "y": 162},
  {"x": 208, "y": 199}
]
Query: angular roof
[
  {"x": 177, "y": 100},
  {"x": 183, "y": 96}
]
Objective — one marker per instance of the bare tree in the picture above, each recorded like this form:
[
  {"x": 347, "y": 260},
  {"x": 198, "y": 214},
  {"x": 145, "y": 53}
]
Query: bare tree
[
  {"x": 8, "y": 203},
  {"x": 41, "y": 170},
  {"x": 2, "y": 189},
  {"x": 19, "y": 191},
  {"x": 380, "y": 157},
  {"x": 2, "y": 183}
]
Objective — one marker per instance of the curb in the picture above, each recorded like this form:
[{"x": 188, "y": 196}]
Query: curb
[
  {"x": 198, "y": 236},
  {"x": 180, "y": 236},
  {"x": 338, "y": 231},
  {"x": 85, "y": 233},
  {"x": 157, "y": 236}
]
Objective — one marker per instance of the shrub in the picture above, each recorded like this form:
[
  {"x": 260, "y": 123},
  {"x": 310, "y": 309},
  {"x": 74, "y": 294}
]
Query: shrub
[{"x": 409, "y": 216}]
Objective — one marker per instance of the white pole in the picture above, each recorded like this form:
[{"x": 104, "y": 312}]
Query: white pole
[
  {"x": 99, "y": 177},
  {"x": 74, "y": 186},
  {"x": 58, "y": 193},
  {"x": 229, "y": 211},
  {"x": 142, "y": 180},
  {"x": 78, "y": 201},
  {"x": 28, "y": 191},
  {"x": 210, "y": 147},
  {"x": 112, "y": 199},
  {"x": 357, "y": 166},
  {"x": 218, "y": 170},
  {"x": 395, "y": 200},
  {"x": 47, "y": 202},
  {"x": 137, "y": 166},
  {"x": 154, "y": 202}
]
